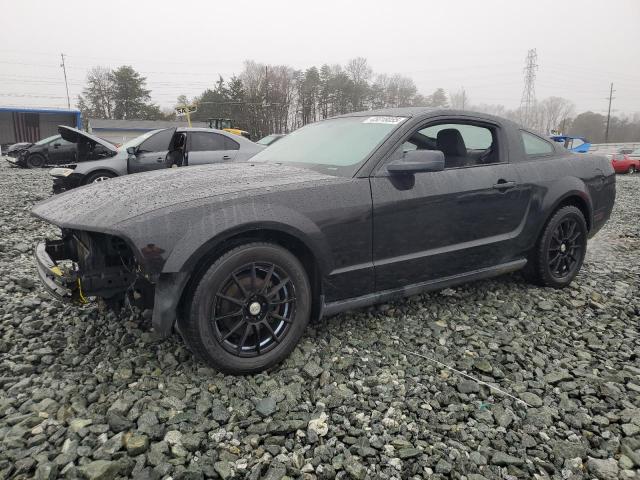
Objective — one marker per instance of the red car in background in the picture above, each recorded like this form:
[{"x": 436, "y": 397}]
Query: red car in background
[{"x": 623, "y": 163}]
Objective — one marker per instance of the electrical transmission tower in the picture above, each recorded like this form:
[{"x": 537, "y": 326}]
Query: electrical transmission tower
[{"x": 528, "y": 101}]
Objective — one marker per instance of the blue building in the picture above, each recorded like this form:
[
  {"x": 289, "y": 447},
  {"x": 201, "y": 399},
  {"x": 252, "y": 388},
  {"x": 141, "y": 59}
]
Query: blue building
[{"x": 26, "y": 124}]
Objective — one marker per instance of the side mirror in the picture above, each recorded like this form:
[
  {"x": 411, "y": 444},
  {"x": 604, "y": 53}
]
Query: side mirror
[
  {"x": 416, "y": 161},
  {"x": 131, "y": 150},
  {"x": 56, "y": 145}
]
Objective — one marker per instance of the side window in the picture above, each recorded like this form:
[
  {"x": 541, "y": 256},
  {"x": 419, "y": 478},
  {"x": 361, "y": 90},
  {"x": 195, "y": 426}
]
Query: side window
[
  {"x": 463, "y": 145},
  {"x": 60, "y": 142},
  {"x": 206, "y": 142},
  {"x": 158, "y": 142},
  {"x": 230, "y": 144},
  {"x": 534, "y": 145}
]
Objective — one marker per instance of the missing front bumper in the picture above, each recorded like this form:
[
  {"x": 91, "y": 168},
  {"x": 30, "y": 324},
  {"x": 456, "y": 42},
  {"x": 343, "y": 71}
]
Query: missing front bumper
[{"x": 62, "y": 285}]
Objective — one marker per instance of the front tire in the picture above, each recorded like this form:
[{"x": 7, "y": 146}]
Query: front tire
[
  {"x": 249, "y": 309},
  {"x": 35, "y": 161},
  {"x": 632, "y": 170},
  {"x": 559, "y": 253}
]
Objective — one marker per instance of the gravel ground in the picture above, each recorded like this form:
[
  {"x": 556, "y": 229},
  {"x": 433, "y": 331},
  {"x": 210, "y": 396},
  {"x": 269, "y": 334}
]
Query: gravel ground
[{"x": 90, "y": 394}]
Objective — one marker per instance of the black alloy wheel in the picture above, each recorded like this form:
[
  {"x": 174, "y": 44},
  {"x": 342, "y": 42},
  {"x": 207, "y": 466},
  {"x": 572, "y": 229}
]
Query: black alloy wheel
[
  {"x": 566, "y": 248},
  {"x": 253, "y": 309},
  {"x": 248, "y": 309},
  {"x": 560, "y": 250}
]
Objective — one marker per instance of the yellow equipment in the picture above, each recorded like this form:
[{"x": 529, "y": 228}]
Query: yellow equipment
[{"x": 227, "y": 125}]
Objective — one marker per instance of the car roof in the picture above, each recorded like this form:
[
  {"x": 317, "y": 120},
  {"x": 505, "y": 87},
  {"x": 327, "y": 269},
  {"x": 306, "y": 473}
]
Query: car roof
[
  {"x": 232, "y": 136},
  {"x": 425, "y": 112}
]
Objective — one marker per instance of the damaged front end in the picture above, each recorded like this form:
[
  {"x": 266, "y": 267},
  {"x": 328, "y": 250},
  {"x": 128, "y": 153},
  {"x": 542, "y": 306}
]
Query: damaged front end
[{"x": 82, "y": 266}]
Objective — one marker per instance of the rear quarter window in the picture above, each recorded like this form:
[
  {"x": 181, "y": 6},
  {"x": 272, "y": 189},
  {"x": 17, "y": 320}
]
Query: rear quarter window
[
  {"x": 230, "y": 144},
  {"x": 535, "y": 145}
]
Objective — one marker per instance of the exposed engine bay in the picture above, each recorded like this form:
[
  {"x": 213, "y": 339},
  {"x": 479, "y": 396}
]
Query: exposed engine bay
[{"x": 83, "y": 265}]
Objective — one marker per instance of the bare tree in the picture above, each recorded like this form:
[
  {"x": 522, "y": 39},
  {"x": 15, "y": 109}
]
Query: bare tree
[
  {"x": 459, "y": 100},
  {"x": 552, "y": 111},
  {"x": 358, "y": 70}
]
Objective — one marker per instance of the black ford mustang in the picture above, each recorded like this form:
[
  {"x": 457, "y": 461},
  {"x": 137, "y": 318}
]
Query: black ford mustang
[{"x": 342, "y": 213}]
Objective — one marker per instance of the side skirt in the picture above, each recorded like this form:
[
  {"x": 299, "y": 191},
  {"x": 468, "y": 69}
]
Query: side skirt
[{"x": 333, "y": 308}]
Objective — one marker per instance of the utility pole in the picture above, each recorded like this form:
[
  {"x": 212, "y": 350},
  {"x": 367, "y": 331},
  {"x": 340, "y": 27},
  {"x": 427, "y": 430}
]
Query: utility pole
[
  {"x": 528, "y": 100},
  {"x": 611, "y": 97},
  {"x": 66, "y": 84}
]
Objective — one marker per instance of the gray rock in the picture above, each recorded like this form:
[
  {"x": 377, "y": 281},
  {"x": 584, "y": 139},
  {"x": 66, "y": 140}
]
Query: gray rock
[
  {"x": 443, "y": 466},
  {"x": 468, "y": 386},
  {"x": 223, "y": 469},
  {"x": 504, "y": 459},
  {"x": 483, "y": 365},
  {"x": 137, "y": 444},
  {"x": 531, "y": 398},
  {"x": 355, "y": 469},
  {"x": 100, "y": 470},
  {"x": 46, "y": 471},
  {"x": 603, "y": 469},
  {"x": 312, "y": 369},
  {"x": 266, "y": 407},
  {"x": 405, "y": 453},
  {"x": 557, "y": 377}
]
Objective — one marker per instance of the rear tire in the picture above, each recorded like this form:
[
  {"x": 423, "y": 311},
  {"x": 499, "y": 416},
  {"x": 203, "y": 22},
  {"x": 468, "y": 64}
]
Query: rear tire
[
  {"x": 98, "y": 177},
  {"x": 632, "y": 170},
  {"x": 35, "y": 161},
  {"x": 560, "y": 250},
  {"x": 249, "y": 309}
]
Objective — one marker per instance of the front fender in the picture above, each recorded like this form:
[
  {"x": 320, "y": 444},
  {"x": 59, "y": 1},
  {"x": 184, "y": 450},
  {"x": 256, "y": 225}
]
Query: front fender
[{"x": 224, "y": 223}]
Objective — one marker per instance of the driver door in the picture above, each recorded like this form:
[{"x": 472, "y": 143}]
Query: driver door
[
  {"x": 431, "y": 225},
  {"x": 152, "y": 154},
  {"x": 61, "y": 152}
]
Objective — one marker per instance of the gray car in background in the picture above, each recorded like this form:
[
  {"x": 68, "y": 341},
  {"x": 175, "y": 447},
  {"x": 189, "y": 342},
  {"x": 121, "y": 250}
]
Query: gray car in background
[{"x": 157, "y": 149}]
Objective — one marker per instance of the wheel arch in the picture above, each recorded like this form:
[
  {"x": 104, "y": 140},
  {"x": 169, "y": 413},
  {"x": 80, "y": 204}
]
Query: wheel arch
[
  {"x": 181, "y": 284},
  {"x": 578, "y": 201}
]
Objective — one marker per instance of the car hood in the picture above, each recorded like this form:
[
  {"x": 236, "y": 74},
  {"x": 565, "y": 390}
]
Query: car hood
[
  {"x": 18, "y": 146},
  {"x": 74, "y": 135},
  {"x": 101, "y": 206}
]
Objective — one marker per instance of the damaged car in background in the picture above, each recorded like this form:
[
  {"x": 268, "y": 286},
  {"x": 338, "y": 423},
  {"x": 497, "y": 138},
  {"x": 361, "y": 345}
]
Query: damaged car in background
[
  {"x": 340, "y": 214},
  {"x": 47, "y": 152},
  {"x": 99, "y": 160}
]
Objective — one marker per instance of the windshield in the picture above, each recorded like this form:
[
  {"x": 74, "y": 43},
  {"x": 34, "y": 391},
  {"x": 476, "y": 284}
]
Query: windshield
[
  {"x": 267, "y": 140},
  {"x": 134, "y": 142},
  {"x": 337, "y": 146},
  {"x": 47, "y": 140}
]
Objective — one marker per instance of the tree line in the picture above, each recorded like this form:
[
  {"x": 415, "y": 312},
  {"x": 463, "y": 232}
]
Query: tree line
[
  {"x": 264, "y": 99},
  {"x": 267, "y": 99}
]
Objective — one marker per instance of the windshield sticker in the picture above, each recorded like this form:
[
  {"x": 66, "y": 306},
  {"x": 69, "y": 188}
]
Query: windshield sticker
[{"x": 385, "y": 120}]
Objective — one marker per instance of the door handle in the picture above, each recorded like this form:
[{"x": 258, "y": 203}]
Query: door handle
[
  {"x": 160, "y": 159},
  {"x": 504, "y": 184},
  {"x": 226, "y": 157}
]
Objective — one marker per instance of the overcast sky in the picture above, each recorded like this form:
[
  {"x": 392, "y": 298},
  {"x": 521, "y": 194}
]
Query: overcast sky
[{"x": 182, "y": 47}]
